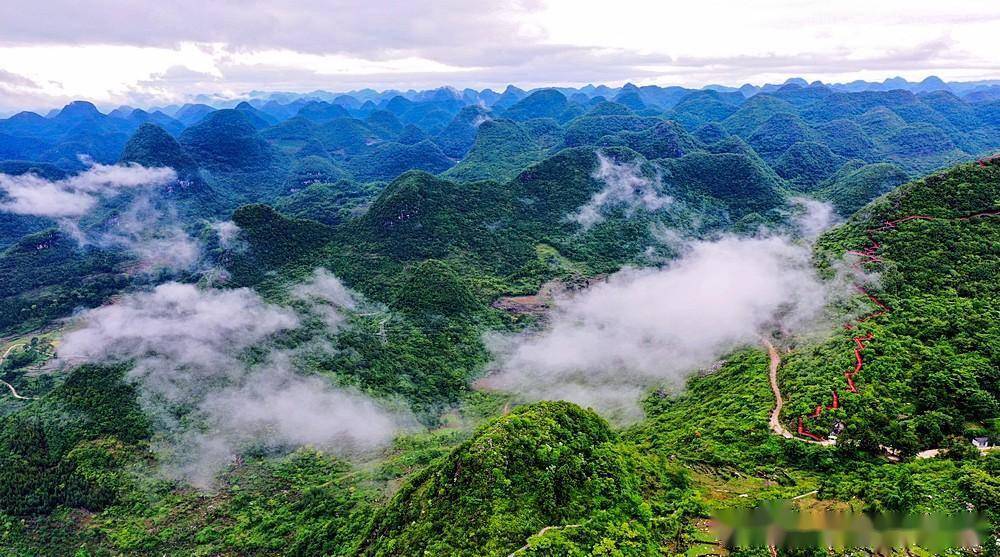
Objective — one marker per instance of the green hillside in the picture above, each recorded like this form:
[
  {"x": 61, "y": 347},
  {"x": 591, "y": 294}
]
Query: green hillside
[
  {"x": 928, "y": 357},
  {"x": 549, "y": 477},
  {"x": 46, "y": 276},
  {"x": 806, "y": 164},
  {"x": 416, "y": 238},
  {"x": 742, "y": 185},
  {"x": 852, "y": 185},
  {"x": 501, "y": 149},
  {"x": 390, "y": 159},
  {"x": 226, "y": 140}
]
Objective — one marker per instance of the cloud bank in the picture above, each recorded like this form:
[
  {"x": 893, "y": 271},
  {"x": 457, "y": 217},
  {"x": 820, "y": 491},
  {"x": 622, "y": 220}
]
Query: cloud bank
[
  {"x": 645, "y": 327},
  {"x": 813, "y": 216},
  {"x": 147, "y": 229},
  {"x": 28, "y": 194},
  {"x": 227, "y": 232},
  {"x": 153, "y": 234},
  {"x": 625, "y": 188},
  {"x": 168, "y": 56},
  {"x": 205, "y": 350}
]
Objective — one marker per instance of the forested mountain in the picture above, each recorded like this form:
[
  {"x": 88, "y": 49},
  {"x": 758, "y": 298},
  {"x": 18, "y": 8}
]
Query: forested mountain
[{"x": 237, "y": 292}]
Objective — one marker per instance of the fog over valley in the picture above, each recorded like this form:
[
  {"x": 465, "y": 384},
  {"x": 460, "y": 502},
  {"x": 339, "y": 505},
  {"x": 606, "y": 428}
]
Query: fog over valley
[{"x": 499, "y": 279}]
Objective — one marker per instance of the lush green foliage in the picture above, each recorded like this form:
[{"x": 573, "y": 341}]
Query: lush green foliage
[
  {"x": 545, "y": 103},
  {"x": 430, "y": 253},
  {"x": 46, "y": 276},
  {"x": 664, "y": 140},
  {"x": 930, "y": 370},
  {"x": 70, "y": 448},
  {"x": 328, "y": 203},
  {"x": 806, "y": 164},
  {"x": 152, "y": 146},
  {"x": 501, "y": 150},
  {"x": 271, "y": 240},
  {"x": 390, "y": 159},
  {"x": 743, "y": 185},
  {"x": 853, "y": 184},
  {"x": 227, "y": 140},
  {"x": 548, "y": 467}
]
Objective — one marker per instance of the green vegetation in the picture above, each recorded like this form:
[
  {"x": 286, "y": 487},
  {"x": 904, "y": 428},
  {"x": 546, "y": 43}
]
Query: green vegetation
[
  {"x": 665, "y": 140},
  {"x": 460, "y": 134},
  {"x": 313, "y": 169},
  {"x": 806, "y": 164},
  {"x": 586, "y": 130},
  {"x": 929, "y": 371},
  {"x": 345, "y": 136},
  {"x": 71, "y": 447},
  {"x": 846, "y": 138},
  {"x": 390, "y": 159},
  {"x": 370, "y": 190},
  {"x": 852, "y": 185},
  {"x": 501, "y": 150},
  {"x": 778, "y": 134},
  {"x": 754, "y": 113},
  {"x": 549, "y": 476},
  {"x": 702, "y": 107},
  {"x": 545, "y": 103},
  {"x": 922, "y": 147},
  {"x": 742, "y": 185},
  {"x": 47, "y": 275},
  {"x": 227, "y": 140},
  {"x": 328, "y": 203},
  {"x": 152, "y": 146},
  {"x": 271, "y": 240}
]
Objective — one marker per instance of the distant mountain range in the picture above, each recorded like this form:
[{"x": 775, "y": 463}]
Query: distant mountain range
[
  {"x": 283, "y": 104},
  {"x": 443, "y": 225},
  {"x": 830, "y": 141}
]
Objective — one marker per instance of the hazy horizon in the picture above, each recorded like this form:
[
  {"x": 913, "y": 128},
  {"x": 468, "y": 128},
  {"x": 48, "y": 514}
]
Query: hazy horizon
[
  {"x": 128, "y": 54},
  {"x": 218, "y": 101}
]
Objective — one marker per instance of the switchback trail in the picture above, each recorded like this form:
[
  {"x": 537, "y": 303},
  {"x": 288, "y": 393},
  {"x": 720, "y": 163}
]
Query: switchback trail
[{"x": 868, "y": 254}]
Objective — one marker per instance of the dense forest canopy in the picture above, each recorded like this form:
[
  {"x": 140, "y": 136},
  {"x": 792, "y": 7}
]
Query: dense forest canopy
[{"x": 528, "y": 322}]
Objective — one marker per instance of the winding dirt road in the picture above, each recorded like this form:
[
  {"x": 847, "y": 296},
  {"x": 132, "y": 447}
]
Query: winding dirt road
[
  {"x": 9, "y": 386},
  {"x": 542, "y": 531},
  {"x": 775, "y": 422}
]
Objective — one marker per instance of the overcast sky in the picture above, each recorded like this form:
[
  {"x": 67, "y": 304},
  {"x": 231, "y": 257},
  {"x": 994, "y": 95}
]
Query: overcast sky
[{"x": 143, "y": 52}]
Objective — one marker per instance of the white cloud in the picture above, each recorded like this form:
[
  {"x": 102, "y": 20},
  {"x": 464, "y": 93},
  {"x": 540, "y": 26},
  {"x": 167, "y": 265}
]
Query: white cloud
[
  {"x": 813, "y": 216},
  {"x": 625, "y": 188},
  {"x": 151, "y": 233},
  {"x": 146, "y": 228},
  {"x": 344, "y": 44},
  {"x": 646, "y": 327},
  {"x": 28, "y": 194},
  {"x": 189, "y": 347},
  {"x": 326, "y": 295},
  {"x": 227, "y": 232},
  {"x": 183, "y": 326}
]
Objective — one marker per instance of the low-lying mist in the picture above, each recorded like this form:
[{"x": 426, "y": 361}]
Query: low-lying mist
[
  {"x": 215, "y": 386},
  {"x": 148, "y": 230},
  {"x": 649, "y": 327},
  {"x": 77, "y": 195},
  {"x": 625, "y": 187}
]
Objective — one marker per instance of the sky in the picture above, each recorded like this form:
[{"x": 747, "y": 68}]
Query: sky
[{"x": 153, "y": 52}]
